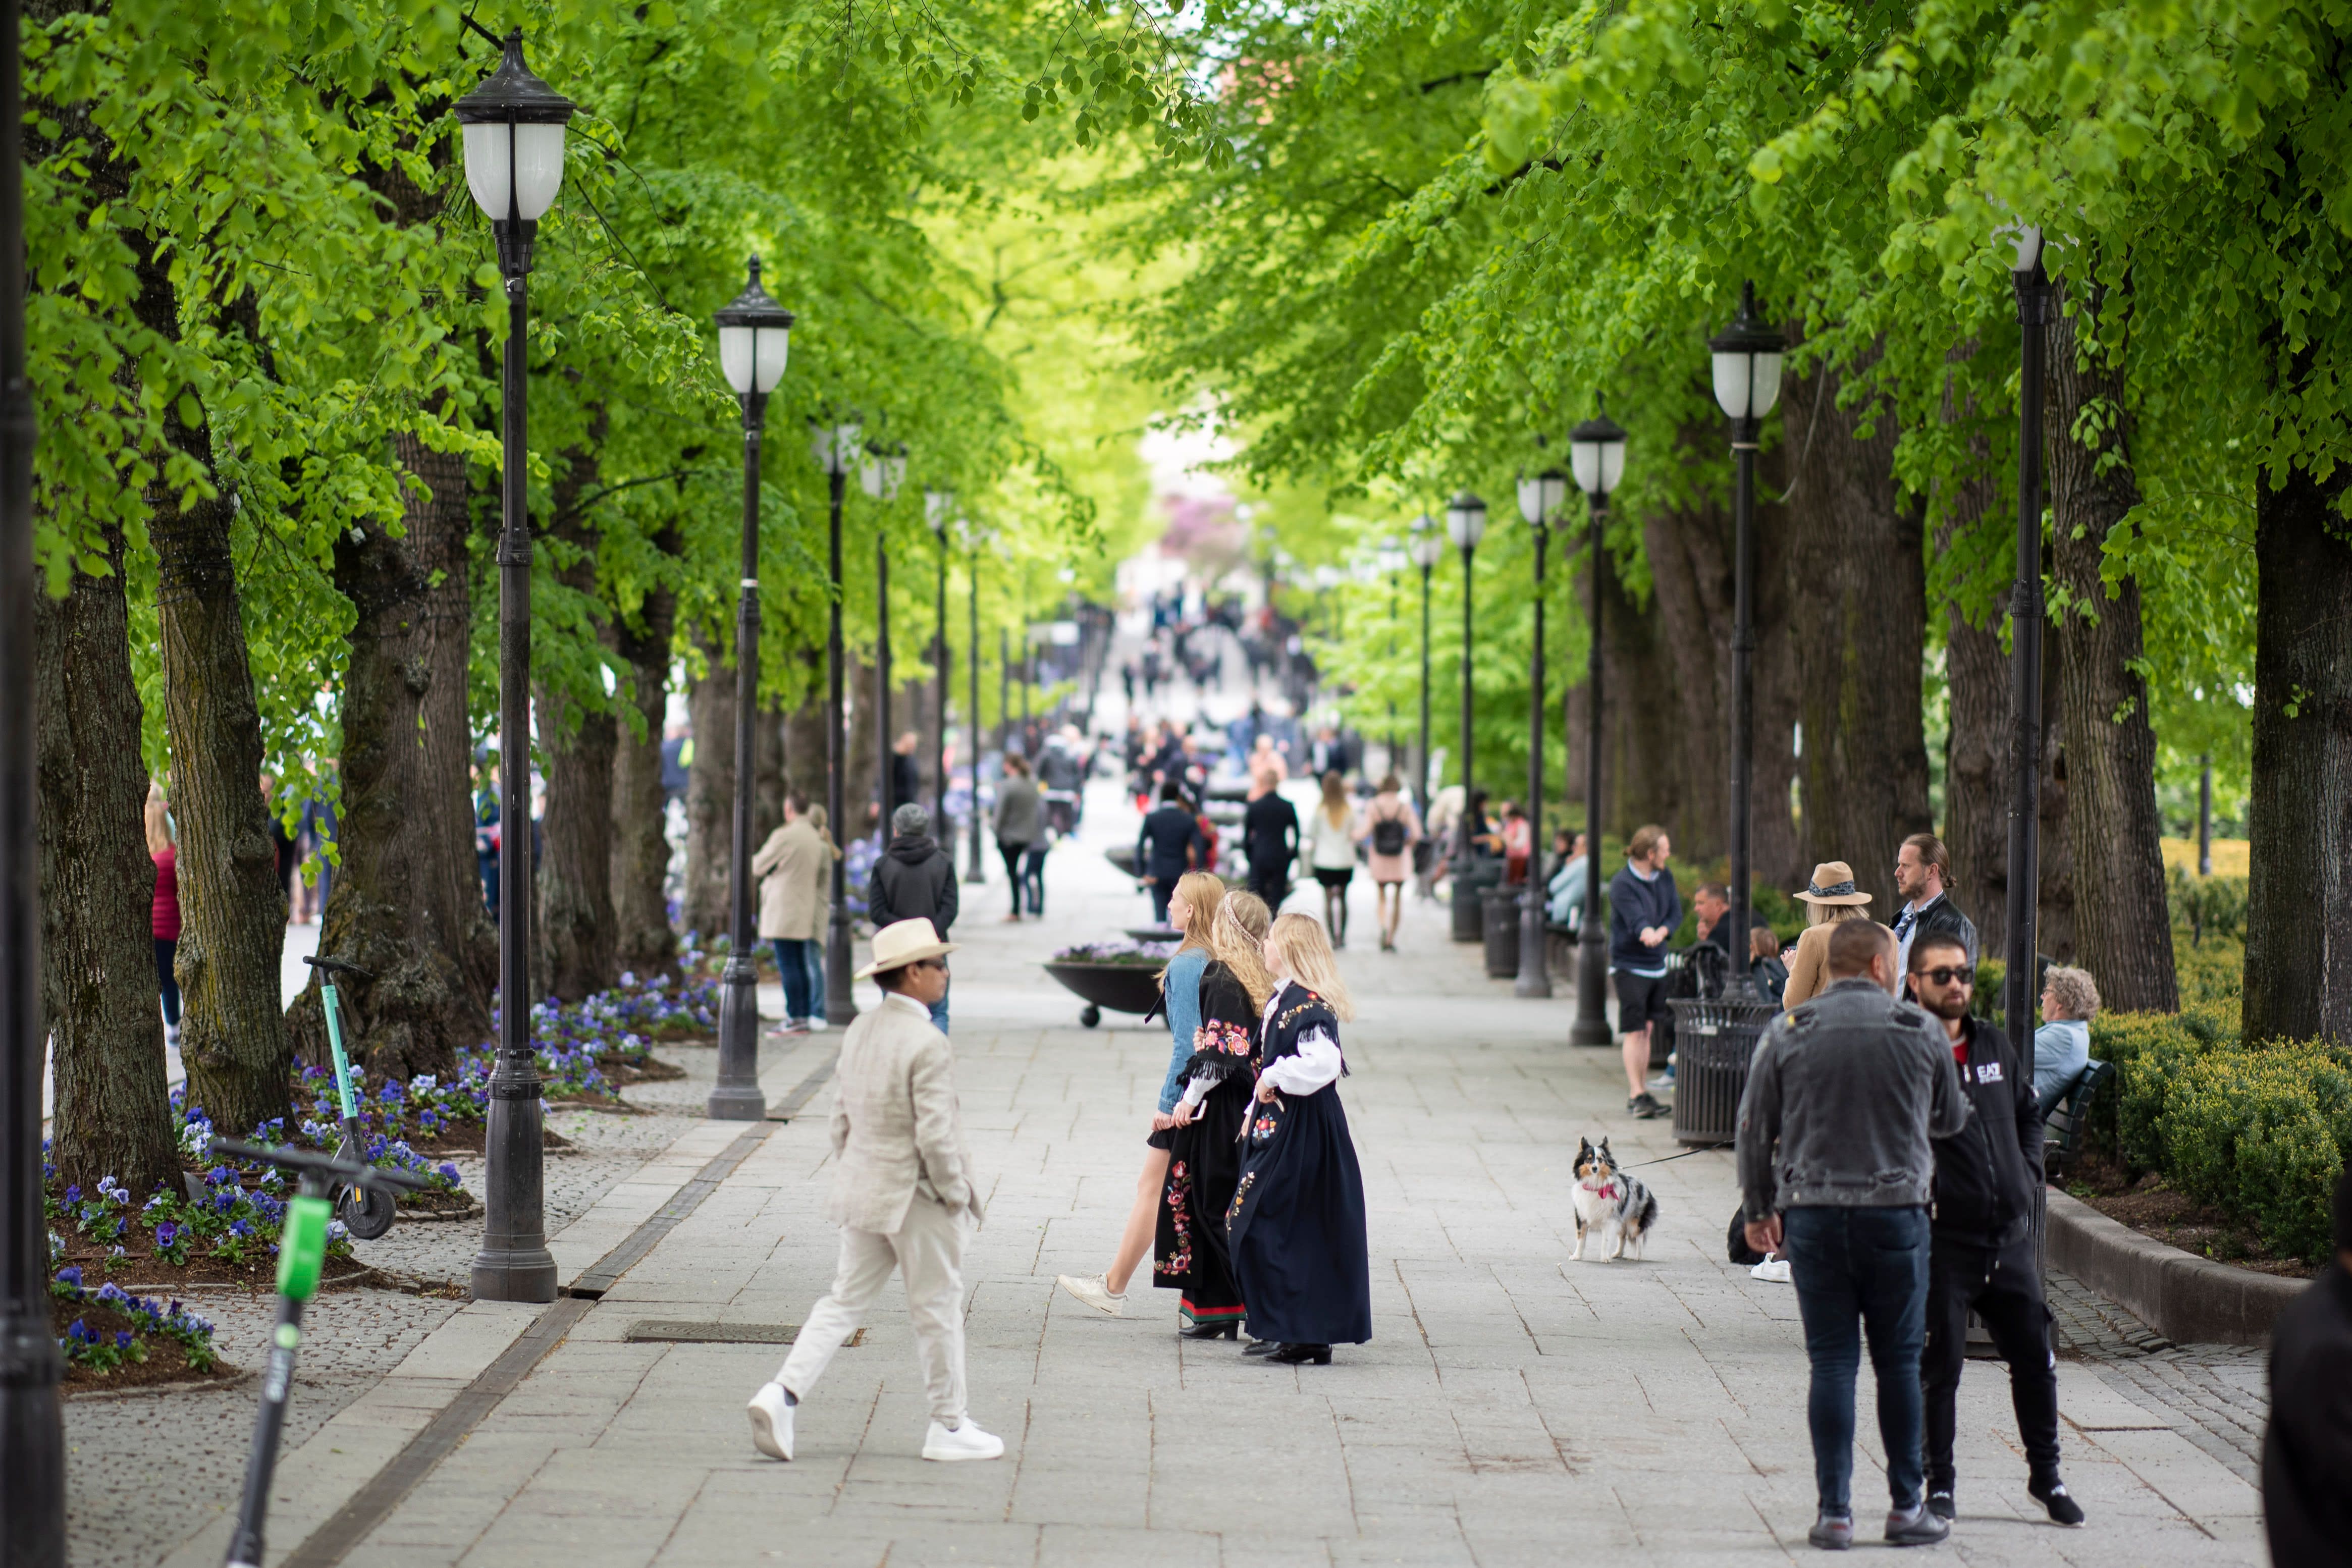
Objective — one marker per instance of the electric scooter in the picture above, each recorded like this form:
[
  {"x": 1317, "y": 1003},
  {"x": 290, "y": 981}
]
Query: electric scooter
[
  {"x": 302, "y": 1255},
  {"x": 366, "y": 1212}
]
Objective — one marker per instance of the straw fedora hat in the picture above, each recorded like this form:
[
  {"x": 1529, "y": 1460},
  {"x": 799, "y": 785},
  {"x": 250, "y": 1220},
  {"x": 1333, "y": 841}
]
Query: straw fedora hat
[
  {"x": 905, "y": 942},
  {"x": 1833, "y": 883}
]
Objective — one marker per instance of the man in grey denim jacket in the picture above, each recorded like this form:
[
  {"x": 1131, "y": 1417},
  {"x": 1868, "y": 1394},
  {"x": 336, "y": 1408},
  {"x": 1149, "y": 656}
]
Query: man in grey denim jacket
[{"x": 1844, "y": 1094}]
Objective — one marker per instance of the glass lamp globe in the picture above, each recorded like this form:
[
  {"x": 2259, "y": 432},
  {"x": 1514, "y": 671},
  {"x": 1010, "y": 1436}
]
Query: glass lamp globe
[
  {"x": 513, "y": 125},
  {"x": 1426, "y": 548},
  {"x": 835, "y": 446},
  {"x": 1541, "y": 496},
  {"x": 884, "y": 473},
  {"x": 1747, "y": 357},
  {"x": 1465, "y": 520},
  {"x": 1596, "y": 451},
  {"x": 755, "y": 333}
]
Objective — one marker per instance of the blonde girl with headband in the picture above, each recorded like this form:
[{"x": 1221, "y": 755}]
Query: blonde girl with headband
[
  {"x": 1191, "y": 909},
  {"x": 1296, "y": 1225}
]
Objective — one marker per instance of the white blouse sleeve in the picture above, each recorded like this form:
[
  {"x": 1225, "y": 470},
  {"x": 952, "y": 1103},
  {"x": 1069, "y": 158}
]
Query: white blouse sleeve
[{"x": 1316, "y": 1064}]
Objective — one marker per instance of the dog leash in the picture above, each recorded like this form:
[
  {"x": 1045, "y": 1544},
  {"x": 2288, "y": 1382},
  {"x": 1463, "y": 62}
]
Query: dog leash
[{"x": 1705, "y": 1149}]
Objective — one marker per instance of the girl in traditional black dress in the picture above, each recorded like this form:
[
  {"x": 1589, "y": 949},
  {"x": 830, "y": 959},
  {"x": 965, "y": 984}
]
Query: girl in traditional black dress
[
  {"x": 1204, "y": 1151},
  {"x": 1295, "y": 1226}
]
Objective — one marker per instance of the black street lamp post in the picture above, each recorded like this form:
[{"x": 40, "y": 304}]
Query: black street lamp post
[
  {"x": 977, "y": 871},
  {"x": 884, "y": 471},
  {"x": 1465, "y": 523},
  {"x": 2032, "y": 284},
  {"x": 754, "y": 336},
  {"x": 1597, "y": 456},
  {"x": 1747, "y": 363},
  {"x": 1541, "y": 496},
  {"x": 1426, "y": 550},
  {"x": 513, "y": 128},
  {"x": 936, "y": 505},
  {"x": 836, "y": 447},
  {"x": 32, "y": 1435}
]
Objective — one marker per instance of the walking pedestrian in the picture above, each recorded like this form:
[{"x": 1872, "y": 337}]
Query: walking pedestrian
[
  {"x": 2061, "y": 1046},
  {"x": 905, "y": 772},
  {"x": 1645, "y": 908},
  {"x": 2307, "y": 1444},
  {"x": 1332, "y": 853},
  {"x": 1842, "y": 1098},
  {"x": 1831, "y": 897},
  {"x": 1389, "y": 832},
  {"x": 164, "y": 915},
  {"x": 793, "y": 866},
  {"x": 914, "y": 880},
  {"x": 1296, "y": 1223},
  {"x": 1922, "y": 871},
  {"x": 1018, "y": 821},
  {"x": 1193, "y": 910},
  {"x": 1169, "y": 845},
  {"x": 1269, "y": 834},
  {"x": 904, "y": 1193},
  {"x": 1981, "y": 1254}
]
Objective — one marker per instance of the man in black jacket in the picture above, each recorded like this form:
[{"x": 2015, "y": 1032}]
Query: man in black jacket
[
  {"x": 2307, "y": 1446},
  {"x": 913, "y": 880},
  {"x": 1922, "y": 879},
  {"x": 1981, "y": 1247},
  {"x": 1170, "y": 845},
  {"x": 1269, "y": 839}
]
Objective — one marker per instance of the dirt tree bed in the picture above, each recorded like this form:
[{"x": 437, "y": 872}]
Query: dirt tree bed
[{"x": 2175, "y": 1219}]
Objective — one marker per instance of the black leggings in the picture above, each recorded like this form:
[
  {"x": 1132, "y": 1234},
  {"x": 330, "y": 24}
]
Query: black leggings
[
  {"x": 2004, "y": 1287},
  {"x": 166, "y": 949},
  {"x": 1012, "y": 854}
]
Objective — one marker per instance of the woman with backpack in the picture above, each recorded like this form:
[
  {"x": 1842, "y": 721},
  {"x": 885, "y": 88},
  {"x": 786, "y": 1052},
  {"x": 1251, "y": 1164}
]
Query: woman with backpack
[{"x": 1390, "y": 830}]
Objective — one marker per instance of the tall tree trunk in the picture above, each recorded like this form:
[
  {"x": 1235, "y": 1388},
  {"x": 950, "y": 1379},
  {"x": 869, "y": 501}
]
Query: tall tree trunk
[
  {"x": 2123, "y": 930},
  {"x": 710, "y": 794},
  {"x": 407, "y": 904},
  {"x": 1643, "y": 760},
  {"x": 804, "y": 730},
  {"x": 579, "y": 735},
  {"x": 645, "y": 942},
  {"x": 233, "y": 1037},
  {"x": 768, "y": 769},
  {"x": 98, "y": 987},
  {"x": 2299, "y": 897},
  {"x": 1857, "y": 565},
  {"x": 862, "y": 794}
]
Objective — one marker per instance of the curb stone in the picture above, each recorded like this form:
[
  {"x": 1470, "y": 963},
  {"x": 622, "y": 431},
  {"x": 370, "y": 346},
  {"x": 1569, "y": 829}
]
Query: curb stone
[{"x": 2186, "y": 1299}]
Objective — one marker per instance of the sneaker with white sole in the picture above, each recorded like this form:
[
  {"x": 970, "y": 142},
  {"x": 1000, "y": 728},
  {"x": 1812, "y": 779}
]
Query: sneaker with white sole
[
  {"x": 1772, "y": 1270},
  {"x": 771, "y": 1421},
  {"x": 1091, "y": 1290},
  {"x": 965, "y": 1441}
]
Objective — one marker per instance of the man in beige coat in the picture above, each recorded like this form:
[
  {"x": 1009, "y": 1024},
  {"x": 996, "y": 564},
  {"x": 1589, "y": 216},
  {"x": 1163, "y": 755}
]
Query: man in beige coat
[
  {"x": 903, "y": 1194},
  {"x": 792, "y": 867}
]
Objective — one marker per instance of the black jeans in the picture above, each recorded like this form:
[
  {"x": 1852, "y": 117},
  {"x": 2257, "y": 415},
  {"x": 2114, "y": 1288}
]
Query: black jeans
[
  {"x": 166, "y": 949},
  {"x": 2001, "y": 1286},
  {"x": 1032, "y": 874},
  {"x": 1012, "y": 854},
  {"x": 1271, "y": 881},
  {"x": 1856, "y": 1268}
]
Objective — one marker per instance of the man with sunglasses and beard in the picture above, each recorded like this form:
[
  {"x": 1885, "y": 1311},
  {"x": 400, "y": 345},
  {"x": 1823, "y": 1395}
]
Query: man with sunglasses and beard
[{"x": 1981, "y": 1253}]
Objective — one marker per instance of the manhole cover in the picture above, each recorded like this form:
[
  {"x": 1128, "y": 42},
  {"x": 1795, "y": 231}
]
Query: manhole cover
[{"x": 656, "y": 1331}]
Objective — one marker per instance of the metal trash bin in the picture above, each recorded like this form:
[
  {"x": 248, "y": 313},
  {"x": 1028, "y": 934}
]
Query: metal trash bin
[
  {"x": 1714, "y": 1039},
  {"x": 1468, "y": 897},
  {"x": 1501, "y": 909}
]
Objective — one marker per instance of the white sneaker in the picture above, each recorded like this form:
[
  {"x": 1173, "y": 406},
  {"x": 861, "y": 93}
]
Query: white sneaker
[
  {"x": 1772, "y": 1272},
  {"x": 771, "y": 1421},
  {"x": 964, "y": 1442},
  {"x": 1091, "y": 1288}
]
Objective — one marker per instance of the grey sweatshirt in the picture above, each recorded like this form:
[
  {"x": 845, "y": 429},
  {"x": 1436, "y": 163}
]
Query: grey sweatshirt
[{"x": 1842, "y": 1095}]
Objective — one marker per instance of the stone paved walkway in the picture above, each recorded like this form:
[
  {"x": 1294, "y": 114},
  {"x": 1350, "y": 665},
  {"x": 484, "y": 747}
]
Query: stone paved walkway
[{"x": 1513, "y": 1408}]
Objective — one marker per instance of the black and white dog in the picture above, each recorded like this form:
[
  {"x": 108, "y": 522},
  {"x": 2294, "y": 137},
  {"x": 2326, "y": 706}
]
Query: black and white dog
[{"x": 1607, "y": 1199}]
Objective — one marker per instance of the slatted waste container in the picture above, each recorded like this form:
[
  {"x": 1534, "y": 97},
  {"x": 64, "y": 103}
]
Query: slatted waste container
[
  {"x": 1501, "y": 908},
  {"x": 1714, "y": 1039}
]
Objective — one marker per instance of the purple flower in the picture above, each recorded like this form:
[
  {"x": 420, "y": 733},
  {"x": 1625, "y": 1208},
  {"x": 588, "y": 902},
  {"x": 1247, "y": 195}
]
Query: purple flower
[
  {"x": 123, "y": 1338},
  {"x": 449, "y": 1170},
  {"x": 166, "y": 1233},
  {"x": 73, "y": 1195},
  {"x": 70, "y": 1276}
]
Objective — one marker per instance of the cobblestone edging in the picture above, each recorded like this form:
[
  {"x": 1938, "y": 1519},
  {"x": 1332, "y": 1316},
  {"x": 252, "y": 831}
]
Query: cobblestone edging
[
  {"x": 2216, "y": 1396},
  {"x": 2185, "y": 1298}
]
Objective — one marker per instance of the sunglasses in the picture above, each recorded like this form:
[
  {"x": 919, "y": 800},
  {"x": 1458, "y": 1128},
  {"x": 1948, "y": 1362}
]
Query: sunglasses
[{"x": 1949, "y": 974}]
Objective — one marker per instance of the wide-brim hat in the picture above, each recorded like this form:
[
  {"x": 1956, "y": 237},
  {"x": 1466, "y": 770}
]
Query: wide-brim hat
[
  {"x": 905, "y": 942},
  {"x": 1833, "y": 883}
]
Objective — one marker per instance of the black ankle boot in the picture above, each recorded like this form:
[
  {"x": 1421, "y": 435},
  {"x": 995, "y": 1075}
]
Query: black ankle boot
[
  {"x": 1226, "y": 1329},
  {"x": 1301, "y": 1354}
]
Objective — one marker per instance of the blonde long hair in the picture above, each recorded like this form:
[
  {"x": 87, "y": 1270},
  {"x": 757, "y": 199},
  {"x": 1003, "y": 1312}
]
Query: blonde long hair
[
  {"x": 1234, "y": 939},
  {"x": 1297, "y": 947},
  {"x": 159, "y": 822},
  {"x": 1200, "y": 891},
  {"x": 1830, "y": 913},
  {"x": 1336, "y": 810}
]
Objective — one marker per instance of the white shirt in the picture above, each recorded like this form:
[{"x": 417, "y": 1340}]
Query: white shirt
[
  {"x": 1902, "y": 946},
  {"x": 1317, "y": 1063},
  {"x": 901, "y": 999}
]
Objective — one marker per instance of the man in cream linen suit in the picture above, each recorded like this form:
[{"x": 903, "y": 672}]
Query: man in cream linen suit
[{"x": 903, "y": 1194}]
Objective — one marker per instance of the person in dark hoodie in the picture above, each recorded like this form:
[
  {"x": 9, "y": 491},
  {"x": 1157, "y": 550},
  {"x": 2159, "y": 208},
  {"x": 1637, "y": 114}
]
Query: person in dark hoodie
[
  {"x": 1980, "y": 1243},
  {"x": 914, "y": 880}
]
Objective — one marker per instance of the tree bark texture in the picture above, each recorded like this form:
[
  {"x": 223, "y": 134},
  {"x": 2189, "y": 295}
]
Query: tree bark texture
[
  {"x": 768, "y": 771},
  {"x": 406, "y": 905},
  {"x": 862, "y": 796},
  {"x": 2123, "y": 929},
  {"x": 2299, "y": 896},
  {"x": 233, "y": 1038},
  {"x": 113, "y": 1114},
  {"x": 1857, "y": 565},
  {"x": 710, "y": 794},
  {"x": 579, "y": 736},
  {"x": 803, "y": 730},
  {"x": 645, "y": 942}
]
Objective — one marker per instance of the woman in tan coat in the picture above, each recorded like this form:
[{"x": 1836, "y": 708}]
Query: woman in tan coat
[
  {"x": 792, "y": 867},
  {"x": 1831, "y": 898}
]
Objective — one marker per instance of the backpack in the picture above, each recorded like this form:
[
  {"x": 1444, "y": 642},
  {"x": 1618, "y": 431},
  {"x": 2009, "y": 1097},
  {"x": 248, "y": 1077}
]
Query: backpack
[{"x": 1388, "y": 835}]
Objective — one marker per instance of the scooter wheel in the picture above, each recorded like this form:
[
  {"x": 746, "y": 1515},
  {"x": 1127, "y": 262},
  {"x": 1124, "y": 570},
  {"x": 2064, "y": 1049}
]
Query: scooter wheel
[
  {"x": 367, "y": 1214},
  {"x": 1091, "y": 1016}
]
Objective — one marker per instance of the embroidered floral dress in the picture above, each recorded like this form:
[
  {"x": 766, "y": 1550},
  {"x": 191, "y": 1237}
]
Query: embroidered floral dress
[
  {"x": 1296, "y": 1224},
  {"x": 1204, "y": 1158}
]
